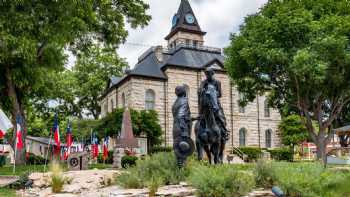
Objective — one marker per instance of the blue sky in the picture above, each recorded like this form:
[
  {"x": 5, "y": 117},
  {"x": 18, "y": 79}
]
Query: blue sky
[{"x": 218, "y": 18}]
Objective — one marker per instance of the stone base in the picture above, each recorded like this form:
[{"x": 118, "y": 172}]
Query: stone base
[{"x": 118, "y": 153}]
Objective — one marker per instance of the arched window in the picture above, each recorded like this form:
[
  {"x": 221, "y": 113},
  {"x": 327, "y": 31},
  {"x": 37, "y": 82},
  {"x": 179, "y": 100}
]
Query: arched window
[
  {"x": 105, "y": 108},
  {"x": 242, "y": 137},
  {"x": 266, "y": 108},
  {"x": 112, "y": 104},
  {"x": 268, "y": 139},
  {"x": 123, "y": 101},
  {"x": 187, "y": 90},
  {"x": 150, "y": 100},
  {"x": 241, "y": 109}
]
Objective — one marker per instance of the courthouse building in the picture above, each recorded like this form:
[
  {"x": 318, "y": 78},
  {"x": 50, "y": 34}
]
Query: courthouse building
[{"x": 151, "y": 85}]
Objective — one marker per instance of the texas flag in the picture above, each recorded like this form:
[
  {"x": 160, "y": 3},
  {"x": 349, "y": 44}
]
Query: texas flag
[
  {"x": 19, "y": 140},
  {"x": 5, "y": 124},
  {"x": 69, "y": 140},
  {"x": 56, "y": 134},
  {"x": 94, "y": 146},
  {"x": 105, "y": 148}
]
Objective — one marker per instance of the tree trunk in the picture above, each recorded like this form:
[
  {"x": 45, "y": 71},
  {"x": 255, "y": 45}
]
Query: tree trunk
[{"x": 16, "y": 109}]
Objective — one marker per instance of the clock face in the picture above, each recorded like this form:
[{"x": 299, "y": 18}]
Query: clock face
[
  {"x": 189, "y": 18},
  {"x": 175, "y": 19}
]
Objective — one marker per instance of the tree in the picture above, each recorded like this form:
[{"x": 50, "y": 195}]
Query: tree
[
  {"x": 298, "y": 51},
  {"x": 35, "y": 34},
  {"x": 91, "y": 73},
  {"x": 293, "y": 131}
]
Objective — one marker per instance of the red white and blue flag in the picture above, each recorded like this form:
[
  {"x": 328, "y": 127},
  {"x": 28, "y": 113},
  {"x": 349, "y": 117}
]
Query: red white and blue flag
[
  {"x": 19, "y": 138},
  {"x": 105, "y": 148},
  {"x": 94, "y": 146},
  {"x": 56, "y": 134},
  {"x": 5, "y": 124},
  {"x": 69, "y": 140}
]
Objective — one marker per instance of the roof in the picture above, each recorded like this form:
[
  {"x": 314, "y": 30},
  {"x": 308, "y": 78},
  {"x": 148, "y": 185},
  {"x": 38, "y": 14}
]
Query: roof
[
  {"x": 43, "y": 140},
  {"x": 184, "y": 9},
  {"x": 149, "y": 67},
  {"x": 343, "y": 130}
]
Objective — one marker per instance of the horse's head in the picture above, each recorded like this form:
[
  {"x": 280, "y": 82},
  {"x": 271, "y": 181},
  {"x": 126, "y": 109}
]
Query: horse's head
[{"x": 211, "y": 97}]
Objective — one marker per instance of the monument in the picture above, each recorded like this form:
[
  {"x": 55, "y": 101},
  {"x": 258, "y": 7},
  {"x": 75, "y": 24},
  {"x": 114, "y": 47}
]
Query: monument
[
  {"x": 126, "y": 141},
  {"x": 210, "y": 129},
  {"x": 183, "y": 144},
  {"x": 78, "y": 161}
]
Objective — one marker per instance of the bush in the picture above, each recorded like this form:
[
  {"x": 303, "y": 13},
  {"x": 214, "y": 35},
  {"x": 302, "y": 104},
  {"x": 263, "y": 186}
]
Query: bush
[
  {"x": 220, "y": 180},
  {"x": 161, "y": 165},
  {"x": 2, "y": 160},
  {"x": 282, "y": 154},
  {"x": 57, "y": 179},
  {"x": 22, "y": 180},
  {"x": 252, "y": 153},
  {"x": 128, "y": 161},
  {"x": 35, "y": 160},
  {"x": 264, "y": 174},
  {"x": 109, "y": 159},
  {"x": 158, "y": 149}
]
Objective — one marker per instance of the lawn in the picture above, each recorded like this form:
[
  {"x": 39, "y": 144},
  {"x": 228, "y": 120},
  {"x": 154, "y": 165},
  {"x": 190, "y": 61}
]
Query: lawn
[
  {"x": 8, "y": 169},
  {"x": 7, "y": 192}
]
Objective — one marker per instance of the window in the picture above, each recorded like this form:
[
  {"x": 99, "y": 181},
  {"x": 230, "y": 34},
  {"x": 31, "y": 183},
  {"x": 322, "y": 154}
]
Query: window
[
  {"x": 268, "y": 138},
  {"x": 112, "y": 105},
  {"x": 187, "y": 42},
  {"x": 150, "y": 100},
  {"x": 195, "y": 43},
  {"x": 241, "y": 109},
  {"x": 105, "y": 108},
  {"x": 266, "y": 108},
  {"x": 123, "y": 101},
  {"x": 242, "y": 137}
]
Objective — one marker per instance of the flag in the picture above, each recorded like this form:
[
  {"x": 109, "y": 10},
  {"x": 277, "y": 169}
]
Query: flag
[
  {"x": 69, "y": 140},
  {"x": 56, "y": 131},
  {"x": 19, "y": 140},
  {"x": 105, "y": 148},
  {"x": 94, "y": 146},
  {"x": 5, "y": 124}
]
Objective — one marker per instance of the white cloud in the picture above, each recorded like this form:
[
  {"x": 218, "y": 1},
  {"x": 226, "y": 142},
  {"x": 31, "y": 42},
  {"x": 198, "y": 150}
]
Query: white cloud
[{"x": 218, "y": 18}]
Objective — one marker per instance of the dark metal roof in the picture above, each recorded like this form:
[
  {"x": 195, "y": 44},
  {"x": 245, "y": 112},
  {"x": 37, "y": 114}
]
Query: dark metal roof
[
  {"x": 184, "y": 9},
  {"x": 149, "y": 67},
  {"x": 114, "y": 80}
]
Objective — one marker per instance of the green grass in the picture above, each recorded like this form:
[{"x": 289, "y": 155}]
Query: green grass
[
  {"x": 100, "y": 166},
  {"x": 7, "y": 192},
  {"x": 8, "y": 170}
]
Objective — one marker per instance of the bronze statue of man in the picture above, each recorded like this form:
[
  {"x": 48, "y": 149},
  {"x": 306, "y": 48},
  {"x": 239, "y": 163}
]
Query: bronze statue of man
[
  {"x": 218, "y": 113},
  {"x": 183, "y": 144}
]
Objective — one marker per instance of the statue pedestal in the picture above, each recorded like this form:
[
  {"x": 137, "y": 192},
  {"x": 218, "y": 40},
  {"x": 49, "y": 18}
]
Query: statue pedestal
[{"x": 118, "y": 153}]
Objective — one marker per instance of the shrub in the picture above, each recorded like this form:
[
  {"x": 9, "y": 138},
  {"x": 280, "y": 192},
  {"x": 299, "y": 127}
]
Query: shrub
[
  {"x": 282, "y": 154},
  {"x": 221, "y": 180},
  {"x": 22, "y": 180},
  {"x": 36, "y": 160},
  {"x": 161, "y": 165},
  {"x": 128, "y": 161},
  {"x": 109, "y": 159},
  {"x": 57, "y": 179},
  {"x": 264, "y": 174},
  {"x": 252, "y": 153},
  {"x": 158, "y": 149},
  {"x": 2, "y": 160}
]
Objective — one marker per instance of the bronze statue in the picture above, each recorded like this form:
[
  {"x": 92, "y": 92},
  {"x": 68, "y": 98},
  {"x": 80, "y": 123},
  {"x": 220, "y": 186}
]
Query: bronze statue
[
  {"x": 210, "y": 129},
  {"x": 183, "y": 144}
]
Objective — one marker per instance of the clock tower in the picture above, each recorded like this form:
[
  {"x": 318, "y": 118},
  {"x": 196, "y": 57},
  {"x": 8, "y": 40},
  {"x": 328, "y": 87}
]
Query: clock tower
[{"x": 185, "y": 29}]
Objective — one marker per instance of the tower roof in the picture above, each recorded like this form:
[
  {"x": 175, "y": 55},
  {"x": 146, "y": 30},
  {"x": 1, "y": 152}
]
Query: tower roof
[{"x": 185, "y": 20}]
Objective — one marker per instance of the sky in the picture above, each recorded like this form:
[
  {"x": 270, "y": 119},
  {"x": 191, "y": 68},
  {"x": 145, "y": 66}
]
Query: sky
[{"x": 219, "y": 18}]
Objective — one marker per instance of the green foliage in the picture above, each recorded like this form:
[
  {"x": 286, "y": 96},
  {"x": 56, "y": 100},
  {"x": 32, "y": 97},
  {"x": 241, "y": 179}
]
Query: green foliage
[
  {"x": 2, "y": 160},
  {"x": 157, "y": 149},
  {"x": 23, "y": 178},
  {"x": 7, "y": 192},
  {"x": 253, "y": 153},
  {"x": 293, "y": 131},
  {"x": 220, "y": 181},
  {"x": 143, "y": 122},
  {"x": 161, "y": 166},
  {"x": 128, "y": 161},
  {"x": 36, "y": 160},
  {"x": 109, "y": 159},
  {"x": 298, "y": 51},
  {"x": 57, "y": 179},
  {"x": 282, "y": 154},
  {"x": 264, "y": 174}
]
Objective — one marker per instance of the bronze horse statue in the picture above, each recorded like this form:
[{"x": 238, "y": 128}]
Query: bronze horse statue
[{"x": 208, "y": 134}]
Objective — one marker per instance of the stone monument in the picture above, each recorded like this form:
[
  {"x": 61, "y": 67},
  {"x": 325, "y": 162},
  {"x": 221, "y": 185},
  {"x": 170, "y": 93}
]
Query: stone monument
[
  {"x": 126, "y": 140},
  {"x": 78, "y": 161}
]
